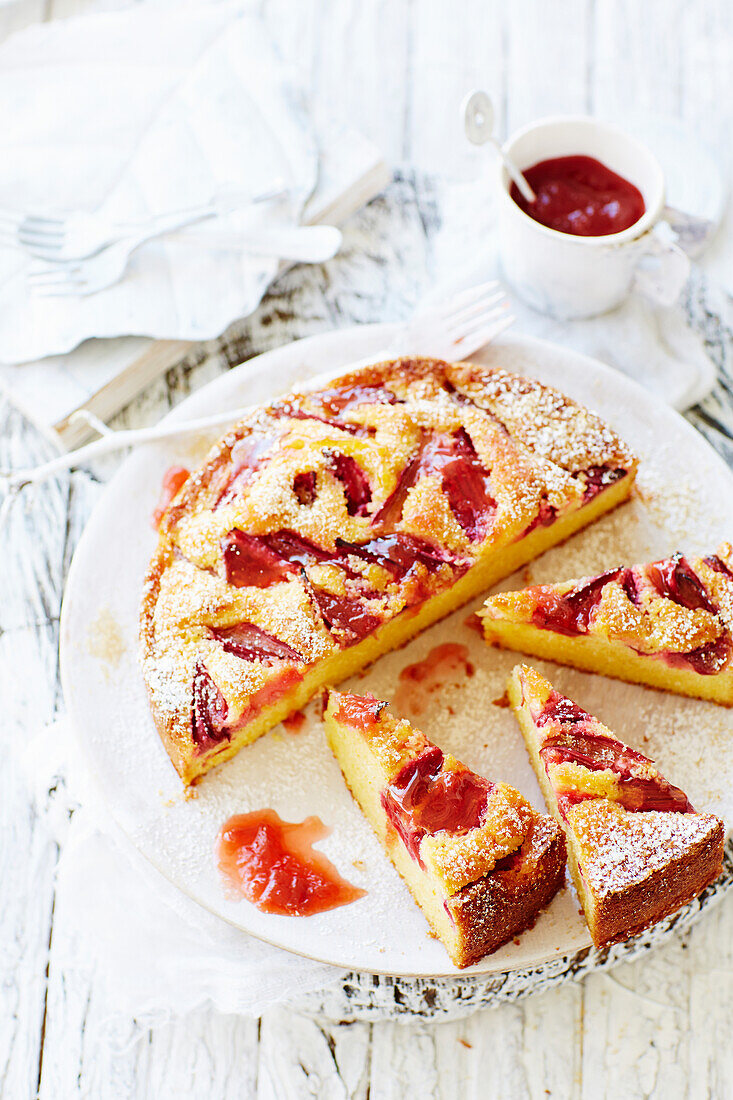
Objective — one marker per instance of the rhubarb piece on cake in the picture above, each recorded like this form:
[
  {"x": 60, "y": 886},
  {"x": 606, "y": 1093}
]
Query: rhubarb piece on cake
[
  {"x": 668, "y": 623},
  {"x": 333, "y": 525},
  {"x": 478, "y": 859},
  {"x": 637, "y": 849}
]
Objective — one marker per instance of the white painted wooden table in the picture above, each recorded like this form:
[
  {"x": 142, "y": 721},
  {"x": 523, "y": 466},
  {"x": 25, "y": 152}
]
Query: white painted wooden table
[{"x": 660, "y": 1027}]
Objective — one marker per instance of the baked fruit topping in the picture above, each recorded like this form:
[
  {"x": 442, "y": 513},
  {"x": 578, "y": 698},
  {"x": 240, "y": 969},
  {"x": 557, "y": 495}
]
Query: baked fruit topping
[
  {"x": 479, "y": 861},
  {"x": 668, "y": 623},
  {"x": 637, "y": 849},
  {"x": 334, "y": 525}
]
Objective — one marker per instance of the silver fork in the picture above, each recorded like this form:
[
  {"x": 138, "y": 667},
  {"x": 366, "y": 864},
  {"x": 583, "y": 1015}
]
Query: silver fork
[
  {"x": 80, "y": 278},
  {"x": 452, "y": 329},
  {"x": 57, "y": 237}
]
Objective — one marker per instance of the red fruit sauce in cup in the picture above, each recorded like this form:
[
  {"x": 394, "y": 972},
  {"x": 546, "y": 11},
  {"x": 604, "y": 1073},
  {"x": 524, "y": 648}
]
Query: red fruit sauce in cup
[{"x": 581, "y": 196}]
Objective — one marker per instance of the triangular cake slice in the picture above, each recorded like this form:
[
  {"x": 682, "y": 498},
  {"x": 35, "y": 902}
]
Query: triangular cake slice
[
  {"x": 333, "y": 525},
  {"x": 667, "y": 623},
  {"x": 637, "y": 849},
  {"x": 478, "y": 859}
]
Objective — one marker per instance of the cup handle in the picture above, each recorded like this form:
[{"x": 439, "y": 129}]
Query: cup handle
[
  {"x": 662, "y": 270},
  {"x": 692, "y": 233}
]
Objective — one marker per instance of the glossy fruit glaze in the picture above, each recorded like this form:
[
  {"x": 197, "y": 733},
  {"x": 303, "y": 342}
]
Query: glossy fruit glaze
[
  {"x": 570, "y": 614},
  {"x": 464, "y": 480},
  {"x": 210, "y": 724},
  {"x": 272, "y": 863},
  {"x": 673, "y": 579},
  {"x": 254, "y": 644},
  {"x": 262, "y": 560},
  {"x": 173, "y": 480},
  {"x": 424, "y": 798},
  {"x": 360, "y": 711},
  {"x": 574, "y": 738},
  {"x": 581, "y": 196}
]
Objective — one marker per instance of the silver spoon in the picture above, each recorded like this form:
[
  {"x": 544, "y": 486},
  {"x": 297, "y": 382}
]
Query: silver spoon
[{"x": 478, "y": 123}]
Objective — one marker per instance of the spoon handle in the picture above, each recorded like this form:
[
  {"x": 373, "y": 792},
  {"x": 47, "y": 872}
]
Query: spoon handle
[{"x": 516, "y": 176}]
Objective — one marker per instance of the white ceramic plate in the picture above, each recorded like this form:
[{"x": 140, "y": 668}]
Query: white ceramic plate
[{"x": 684, "y": 502}]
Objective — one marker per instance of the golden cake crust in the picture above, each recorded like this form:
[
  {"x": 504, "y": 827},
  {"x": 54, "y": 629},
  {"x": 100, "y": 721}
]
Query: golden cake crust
[
  {"x": 490, "y": 912},
  {"x": 637, "y": 849},
  {"x": 642, "y": 866},
  {"x": 460, "y": 461},
  {"x": 491, "y": 879},
  {"x": 668, "y": 623}
]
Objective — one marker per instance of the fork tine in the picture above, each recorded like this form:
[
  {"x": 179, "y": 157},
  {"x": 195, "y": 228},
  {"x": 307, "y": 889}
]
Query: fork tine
[
  {"x": 62, "y": 270},
  {"x": 62, "y": 289},
  {"x": 485, "y": 335},
  {"x": 464, "y": 298},
  {"x": 465, "y": 315},
  {"x": 44, "y": 222},
  {"x": 480, "y": 321},
  {"x": 37, "y": 236},
  {"x": 59, "y": 273}
]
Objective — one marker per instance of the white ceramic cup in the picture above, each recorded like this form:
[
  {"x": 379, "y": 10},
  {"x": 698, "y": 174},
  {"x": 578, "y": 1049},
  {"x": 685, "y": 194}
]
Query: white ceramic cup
[{"x": 572, "y": 277}]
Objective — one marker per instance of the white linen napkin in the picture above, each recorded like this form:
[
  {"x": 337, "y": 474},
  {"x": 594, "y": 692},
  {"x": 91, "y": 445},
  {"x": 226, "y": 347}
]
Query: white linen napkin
[
  {"x": 157, "y": 953},
  {"x": 144, "y": 111}
]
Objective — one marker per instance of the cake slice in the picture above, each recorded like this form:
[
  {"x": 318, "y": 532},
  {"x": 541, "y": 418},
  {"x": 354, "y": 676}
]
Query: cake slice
[
  {"x": 478, "y": 859},
  {"x": 667, "y": 623},
  {"x": 332, "y": 526},
  {"x": 637, "y": 849}
]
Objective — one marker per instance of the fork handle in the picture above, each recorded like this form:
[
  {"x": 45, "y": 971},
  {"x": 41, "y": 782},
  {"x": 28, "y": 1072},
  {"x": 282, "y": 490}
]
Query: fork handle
[
  {"x": 221, "y": 204},
  {"x": 129, "y": 437},
  {"x": 115, "y": 441}
]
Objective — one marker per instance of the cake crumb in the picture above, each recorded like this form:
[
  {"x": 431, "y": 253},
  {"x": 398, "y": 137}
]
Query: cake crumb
[
  {"x": 104, "y": 639},
  {"x": 502, "y": 701},
  {"x": 472, "y": 622},
  {"x": 465, "y": 1043}
]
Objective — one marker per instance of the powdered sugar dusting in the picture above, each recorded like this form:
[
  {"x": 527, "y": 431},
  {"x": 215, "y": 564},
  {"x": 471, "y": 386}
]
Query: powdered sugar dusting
[{"x": 620, "y": 849}]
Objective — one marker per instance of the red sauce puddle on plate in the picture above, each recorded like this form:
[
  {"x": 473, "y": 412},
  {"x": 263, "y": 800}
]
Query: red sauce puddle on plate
[
  {"x": 173, "y": 480},
  {"x": 272, "y": 863},
  {"x": 581, "y": 196},
  {"x": 446, "y": 663}
]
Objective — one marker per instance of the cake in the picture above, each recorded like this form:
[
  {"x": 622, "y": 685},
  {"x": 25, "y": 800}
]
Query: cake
[
  {"x": 478, "y": 859},
  {"x": 637, "y": 849},
  {"x": 332, "y": 526},
  {"x": 667, "y": 623}
]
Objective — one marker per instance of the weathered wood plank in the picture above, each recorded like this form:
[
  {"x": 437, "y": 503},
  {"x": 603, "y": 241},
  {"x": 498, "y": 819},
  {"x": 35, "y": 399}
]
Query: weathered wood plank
[
  {"x": 31, "y": 550},
  {"x": 637, "y": 58},
  {"x": 636, "y": 1028},
  {"x": 547, "y": 60},
  {"x": 94, "y": 1052},
  {"x": 455, "y": 48},
  {"x": 710, "y": 968},
  {"x": 299, "y": 1058}
]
